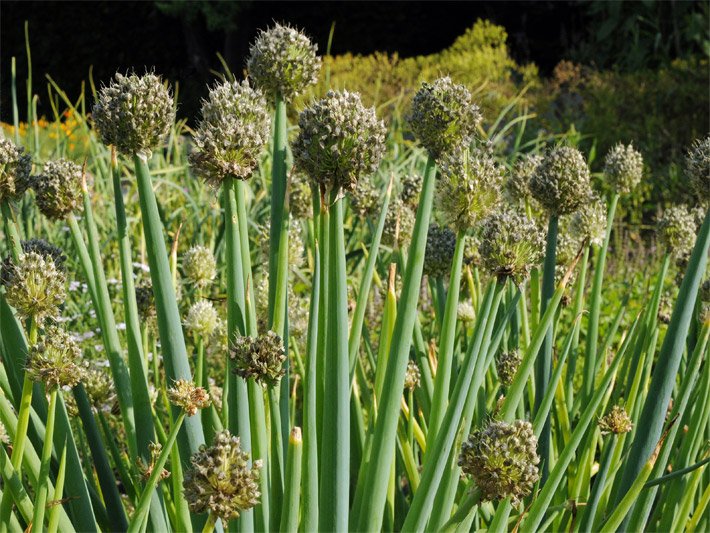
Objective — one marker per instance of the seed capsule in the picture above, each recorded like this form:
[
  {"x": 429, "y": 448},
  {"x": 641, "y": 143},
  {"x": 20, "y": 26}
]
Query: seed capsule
[
  {"x": 561, "y": 183},
  {"x": 507, "y": 365},
  {"x": 54, "y": 360},
  {"x": 517, "y": 186},
  {"x": 623, "y": 167},
  {"x": 676, "y": 231},
  {"x": 616, "y": 421},
  {"x": 58, "y": 189},
  {"x": 15, "y": 170},
  {"x": 188, "y": 397},
  {"x": 440, "y": 247},
  {"x": 261, "y": 358}
]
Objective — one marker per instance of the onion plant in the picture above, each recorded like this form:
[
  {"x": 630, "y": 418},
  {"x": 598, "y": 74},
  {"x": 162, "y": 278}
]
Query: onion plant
[{"x": 296, "y": 317}]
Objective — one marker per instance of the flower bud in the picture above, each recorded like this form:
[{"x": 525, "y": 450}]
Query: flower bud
[
  {"x": 58, "y": 189},
  {"x": 340, "y": 142},
  {"x": 697, "y": 168},
  {"x": 676, "y": 231},
  {"x": 202, "y": 319},
  {"x": 616, "y": 421},
  {"x": 261, "y": 358},
  {"x": 443, "y": 116},
  {"x": 199, "y": 266},
  {"x": 188, "y": 397},
  {"x": 561, "y": 183},
  {"x": 134, "y": 113},
  {"x": 623, "y": 167},
  {"x": 220, "y": 480},
  {"x": 283, "y": 61},
  {"x": 465, "y": 312},
  {"x": 413, "y": 376},
  {"x": 34, "y": 286},
  {"x": 507, "y": 365},
  {"x": 440, "y": 247},
  {"x": 15, "y": 170},
  {"x": 511, "y": 244},
  {"x": 469, "y": 187},
  {"x": 232, "y": 133},
  {"x": 502, "y": 459},
  {"x": 54, "y": 360}
]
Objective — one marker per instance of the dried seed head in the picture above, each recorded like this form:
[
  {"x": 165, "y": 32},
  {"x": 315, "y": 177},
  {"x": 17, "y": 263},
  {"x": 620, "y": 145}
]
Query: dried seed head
[
  {"x": 517, "y": 186},
  {"x": 188, "y": 396},
  {"x": 697, "y": 168},
  {"x": 411, "y": 187},
  {"x": 145, "y": 300},
  {"x": 511, "y": 244},
  {"x": 340, "y": 142},
  {"x": 261, "y": 358},
  {"x": 134, "y": 113},
  {"x": 502, "y": 459},
  {"x": 465, "y": 312},
  {"x": 470, "y": 186},
  {"x": 364, "y": 198},
  {"x": 440, "y": 246},
  {"x": 34, "y": 286},
  {"x": 202, "y": 319},
  {"x": 283, "y": 61},
  {"x": 507, "y": 365},
  {"x": 232, "y": 133},
  {"x": 413, "y": 376},
  {"x": 443, "y": 116},
  {"x": 55, "y": 360},
  {"x": 615, "y": 421},
  {"x": 220, "y": 480},
  {"x": 561, "y": 183},
  {"x": 15, "y": 170},
  {"x": 199, "y": 266},
  {"x": 399, "y": 224},
  {"x": 589, "y": 221},
  {"x": 623, "y": 167},
  {"x": 676, "y": 231},
  {"x": 300, "y": 198},
  {"x": 58, "y": 189}
]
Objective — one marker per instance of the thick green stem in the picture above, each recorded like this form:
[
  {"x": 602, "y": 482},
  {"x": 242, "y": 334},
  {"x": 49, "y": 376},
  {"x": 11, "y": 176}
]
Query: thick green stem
[
  {"x": 289, "y": 517},
  {"x": 43, "y": 484},
  {"x": 276, "y": 464},
  {"x": 590, "y": 359},
  {"x": 335, "y": 456}
]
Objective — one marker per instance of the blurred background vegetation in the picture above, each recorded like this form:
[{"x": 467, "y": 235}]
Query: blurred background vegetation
[{"x": 598, "y": 71}]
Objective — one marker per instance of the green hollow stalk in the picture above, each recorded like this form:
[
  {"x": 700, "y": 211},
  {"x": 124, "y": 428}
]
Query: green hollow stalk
[
  {"x": 322, "y": 338},
  {"x": 663, "y": 380},
  {"x": 309, "y": 495},
  {"x": 143, "y": 505},
  {"x": 576, "y": 311},
  {"x": 334, "y": 499},
  {"x": 447, "y": 337},
  {"x": 289, "y": 516},
  {"x": 54, "y": 513},
  {"x": 543, "y": 364},
  {"x": 383, "y": 443},
  {"x": 237, "y": 400},
  {"x": 276, "y": 458},
  {"x": 590, "y": 358},
  {"x": 12, "y": 485},
  {"x": 40, "y": 503}
]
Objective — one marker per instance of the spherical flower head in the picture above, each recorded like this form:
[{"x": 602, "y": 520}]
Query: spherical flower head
[
  {"x": 145, "y": 300},
  {"x": 34, "y": 286},
  {"x": 615, "y": 421},
  {"x": 220, "y": 480},
  {"x": 188, "y": 396},
  {"x": 465, "y": 312},
  {"x": 623, "y": 166},
  {"x": 300, "y": 198},
  {"x": 676, "y": 231},
  {"x": 470, "y": 186},
  {"x": 54, "y": 360},
  {"x": 517, "y": 186},
  {"x": 471, "y": 255},
  {"x": 411, "y": 185},
  {"x": 46, "y": 250},
  {"x": 502, "y": 459},
  {"x": 399, "y": 224},
  {"x": 440, "y": 246},
  {"x": 589, "y": 221},
  {"x": 340, "y": 142},
  {"x": 697, "y": 168},
  {"x": 283, "y": 61},
  {"x": 364, "y": 198},
  {"x": 261, "y": 358},
  {"x": 561, "y": 182},
  {"x": 134, "y": 113},
  {"x": 443, "y": 116},
  {"x": 507, "y": 365},
  {"x": 58, "y": 189},
  {"x": 199, "y": 266},
  {"x": 99, "y": 386},
  {"x": 413, "y": 376},
  {"x": 202, "y": 319},
  {"x": 15, "y": 170},
  {"x": 511, "y": 244},
  {"x": 232, "y": 133}
]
